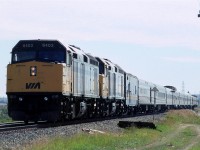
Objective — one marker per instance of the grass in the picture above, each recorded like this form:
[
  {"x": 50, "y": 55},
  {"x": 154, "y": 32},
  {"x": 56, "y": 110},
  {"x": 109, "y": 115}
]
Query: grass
[
  {"x": 179, "y": 141},
  {"x": 4, "y": 115},
  {"x": 196, "y": 147},
  {"x": 183, "y": 139},
  {"x": 131, "y": 138},
  {"x": 183, "y": 116}
]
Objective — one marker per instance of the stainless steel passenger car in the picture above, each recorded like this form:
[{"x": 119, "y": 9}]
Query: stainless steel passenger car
[
  {"x": 169, "y": 96},
  {"x": 132, "y": 87}
]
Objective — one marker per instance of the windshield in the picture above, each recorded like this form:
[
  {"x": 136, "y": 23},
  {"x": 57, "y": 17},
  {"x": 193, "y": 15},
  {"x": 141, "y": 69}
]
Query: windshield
[
  {"x": 42, "y": 55},
  {"x": 18, "y": 56},
  {"x": 52, "y": 56}
]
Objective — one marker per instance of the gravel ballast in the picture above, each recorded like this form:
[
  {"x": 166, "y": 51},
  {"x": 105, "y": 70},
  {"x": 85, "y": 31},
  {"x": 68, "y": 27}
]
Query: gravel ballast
[{"x": 24, "y": 138}]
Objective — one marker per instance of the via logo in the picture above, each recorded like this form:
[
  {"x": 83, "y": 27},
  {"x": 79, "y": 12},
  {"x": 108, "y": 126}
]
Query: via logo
[{"x": 33, "y": 85}]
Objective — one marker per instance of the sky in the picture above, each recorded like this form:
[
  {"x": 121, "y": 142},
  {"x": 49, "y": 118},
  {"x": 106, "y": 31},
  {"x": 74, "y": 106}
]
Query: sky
[{"x": 155, "y": 40}]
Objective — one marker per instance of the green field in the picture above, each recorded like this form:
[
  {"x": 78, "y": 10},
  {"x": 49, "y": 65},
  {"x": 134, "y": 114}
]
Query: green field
[
  {"x": 179, "y": 130},
  {"x": 4, "y": 114}
]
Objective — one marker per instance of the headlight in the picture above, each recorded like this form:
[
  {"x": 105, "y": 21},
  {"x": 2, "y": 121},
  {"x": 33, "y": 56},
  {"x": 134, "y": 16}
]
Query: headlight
[
  {"x": 46, "y": 98},
  {"x": 20, "y": 99},
  {"x": 33, "y": 71}
]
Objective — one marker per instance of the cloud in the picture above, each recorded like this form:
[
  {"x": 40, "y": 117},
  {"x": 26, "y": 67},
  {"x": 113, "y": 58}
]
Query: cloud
[
  {"x": 153, "y": 23},
  {"x": 164, "y": 25}
]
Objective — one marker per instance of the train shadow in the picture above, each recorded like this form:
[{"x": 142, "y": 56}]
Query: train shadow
[{"x": 128, "y": 124}]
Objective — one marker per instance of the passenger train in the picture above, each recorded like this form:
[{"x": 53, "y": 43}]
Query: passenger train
[{"x": 49, "y": 81}]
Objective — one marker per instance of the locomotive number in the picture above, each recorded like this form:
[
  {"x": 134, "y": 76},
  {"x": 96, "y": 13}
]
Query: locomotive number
[
  {"x": 47, "y": 45},
  {"x": 27, "y": 45}
]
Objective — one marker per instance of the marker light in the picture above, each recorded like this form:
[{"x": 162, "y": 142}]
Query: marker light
[{"x": 33, "y": 71}]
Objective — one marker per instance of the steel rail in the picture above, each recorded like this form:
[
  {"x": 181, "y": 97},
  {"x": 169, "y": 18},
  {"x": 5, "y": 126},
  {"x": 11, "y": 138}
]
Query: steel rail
[{"x": 16, "y": 126}]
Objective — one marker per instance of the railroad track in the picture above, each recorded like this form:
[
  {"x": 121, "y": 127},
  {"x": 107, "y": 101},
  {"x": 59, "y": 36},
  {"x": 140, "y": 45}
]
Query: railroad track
[
  {"x": 89, "y": 120},
  {"x": 16, "y": 126},
  {"x": 21, "y": 125}
]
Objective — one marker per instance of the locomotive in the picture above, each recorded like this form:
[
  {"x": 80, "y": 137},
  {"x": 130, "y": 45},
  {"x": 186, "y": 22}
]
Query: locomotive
[{"x": 49, "y": 81}]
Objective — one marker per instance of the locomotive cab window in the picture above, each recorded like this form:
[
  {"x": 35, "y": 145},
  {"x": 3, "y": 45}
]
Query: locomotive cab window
[
  {"x": 85, "y": 58},
  {"x": 115, "y": 69},
  {"x": 109, "y": 67},
  {"x": 52, "y": 56},
  {"x": 21, "y": 55},
  {"x": 106, "y": 71},
  {"x": 69, "y": 59},
  {"x": 39, "y": 55}
]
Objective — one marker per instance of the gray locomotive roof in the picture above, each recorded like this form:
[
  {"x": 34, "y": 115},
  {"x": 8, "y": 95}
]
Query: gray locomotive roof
[
  {"x": 107, "y": 60},
  {"x": 119, "y": 67},
  {"x": 132, "y": 75},
  {"x": 92, "y": 57}
]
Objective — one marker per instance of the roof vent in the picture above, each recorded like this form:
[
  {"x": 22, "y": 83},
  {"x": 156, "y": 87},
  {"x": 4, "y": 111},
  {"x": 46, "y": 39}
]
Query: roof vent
[{"x": 75, "y": 47}]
